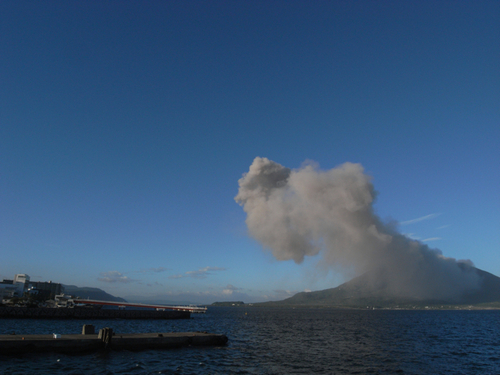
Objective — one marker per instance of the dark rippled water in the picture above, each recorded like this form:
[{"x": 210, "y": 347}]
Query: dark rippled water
[{"x": 287, "y": 341}]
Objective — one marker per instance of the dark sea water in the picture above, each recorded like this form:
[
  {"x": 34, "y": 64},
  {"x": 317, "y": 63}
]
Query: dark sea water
[{"x": 286, "y": 341}]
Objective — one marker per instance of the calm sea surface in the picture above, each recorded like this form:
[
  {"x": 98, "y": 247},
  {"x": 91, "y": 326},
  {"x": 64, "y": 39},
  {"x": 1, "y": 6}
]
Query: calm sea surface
[{"x": 287, "y": 341}]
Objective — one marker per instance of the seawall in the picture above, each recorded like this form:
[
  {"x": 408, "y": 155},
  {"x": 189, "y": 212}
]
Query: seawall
[{"x": 88, "y": 313}]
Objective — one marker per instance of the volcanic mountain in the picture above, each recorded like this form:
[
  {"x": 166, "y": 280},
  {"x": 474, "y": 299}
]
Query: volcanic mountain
[{"x": 363, "y": 291}]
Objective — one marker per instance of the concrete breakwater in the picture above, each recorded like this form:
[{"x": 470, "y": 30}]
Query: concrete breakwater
[
  {"x": 16, "y": 344},
  {"x": 89, "y": 313}
]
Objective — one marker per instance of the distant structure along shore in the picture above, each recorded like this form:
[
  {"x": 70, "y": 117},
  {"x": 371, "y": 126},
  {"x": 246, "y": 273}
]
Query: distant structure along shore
[
  {"x": 24, "y": 299},
  {"x": 21, "y": 285}
]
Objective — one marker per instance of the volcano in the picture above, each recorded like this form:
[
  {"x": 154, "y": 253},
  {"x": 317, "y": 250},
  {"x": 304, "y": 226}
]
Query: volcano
[{"x": 363, "y": 291}]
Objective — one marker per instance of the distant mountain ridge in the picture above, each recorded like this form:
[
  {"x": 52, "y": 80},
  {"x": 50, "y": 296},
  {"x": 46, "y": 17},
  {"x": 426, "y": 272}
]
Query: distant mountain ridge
[
  {"x": 355, "y": 293},
  {"x": 91, "y": 293}
]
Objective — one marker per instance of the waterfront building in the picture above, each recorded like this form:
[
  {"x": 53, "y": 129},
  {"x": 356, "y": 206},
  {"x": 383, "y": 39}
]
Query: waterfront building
[
  {"x": 47, "y": 289},
  {"x": 22, "y": 278},
  {"x": 10, "y": 289}
]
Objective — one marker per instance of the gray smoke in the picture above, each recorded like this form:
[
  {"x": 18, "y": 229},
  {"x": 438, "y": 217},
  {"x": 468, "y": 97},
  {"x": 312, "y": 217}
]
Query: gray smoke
[{"x": 296, "y": 213}]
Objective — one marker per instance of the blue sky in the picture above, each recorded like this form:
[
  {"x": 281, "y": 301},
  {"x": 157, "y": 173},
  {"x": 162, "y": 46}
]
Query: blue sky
[{"x": 125, "y": 127}]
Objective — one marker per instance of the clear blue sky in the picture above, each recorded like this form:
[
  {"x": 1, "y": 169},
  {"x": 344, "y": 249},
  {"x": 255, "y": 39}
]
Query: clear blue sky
[{"x": 125, "y": 126}]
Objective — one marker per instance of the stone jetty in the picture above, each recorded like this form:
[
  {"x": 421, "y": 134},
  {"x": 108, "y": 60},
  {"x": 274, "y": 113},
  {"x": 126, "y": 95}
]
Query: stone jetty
[
  {"x": 106, "y": 339},
  {"x": 89, "y": 313}
]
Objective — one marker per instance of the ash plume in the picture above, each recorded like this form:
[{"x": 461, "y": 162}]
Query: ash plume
[{"x": 307, "y": 211}]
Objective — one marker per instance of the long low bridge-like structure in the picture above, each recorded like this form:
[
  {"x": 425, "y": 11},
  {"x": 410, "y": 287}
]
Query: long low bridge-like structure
[
  {"x": 191, "y": 309},
  {"x": 91, "y": 309}
]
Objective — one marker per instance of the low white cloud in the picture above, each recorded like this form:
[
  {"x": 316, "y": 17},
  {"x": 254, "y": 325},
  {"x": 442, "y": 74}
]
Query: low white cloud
[
  {"x": 426, "y": 217},
  {"x": 197, "y": 274},
  {"x": 176, "y": 276},
  {"x": 114, "y": 277},
  {"x": 230, "y": 289},
  {"x": 202, "y": 273},
  {"x": 156, "y": 283},
  {"x": 154, "y": 270},
  {"x": 214, "y": 269}
]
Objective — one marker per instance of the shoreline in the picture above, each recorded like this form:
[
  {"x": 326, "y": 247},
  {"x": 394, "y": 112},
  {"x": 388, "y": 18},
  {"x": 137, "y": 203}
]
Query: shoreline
[{"x": 88, "y": 313}]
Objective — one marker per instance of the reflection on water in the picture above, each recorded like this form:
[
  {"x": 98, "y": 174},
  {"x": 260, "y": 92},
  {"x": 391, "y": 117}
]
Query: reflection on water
[{"x": 287, "y": 341}]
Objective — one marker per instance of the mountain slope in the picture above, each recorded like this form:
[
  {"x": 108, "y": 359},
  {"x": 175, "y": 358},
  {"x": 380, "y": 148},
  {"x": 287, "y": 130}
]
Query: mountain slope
[
  {"x": 362, "y": 292},
  {"x": 91, "y": 293}
]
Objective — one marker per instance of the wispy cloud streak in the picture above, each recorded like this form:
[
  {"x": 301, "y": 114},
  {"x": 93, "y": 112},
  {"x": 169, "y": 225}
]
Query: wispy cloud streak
[
  {"x": 114, "y": 277},
  {"x": 154, "y": 270},
  {"x": 413, "y": 221},
  {"x": 201, "y": 273}
]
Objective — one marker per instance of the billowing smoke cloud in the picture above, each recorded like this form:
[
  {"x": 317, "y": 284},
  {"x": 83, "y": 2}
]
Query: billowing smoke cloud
[{"x": 296, "y": 213}]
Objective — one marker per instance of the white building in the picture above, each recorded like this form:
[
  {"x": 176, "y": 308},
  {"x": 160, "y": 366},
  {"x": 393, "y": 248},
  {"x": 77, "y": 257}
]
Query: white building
[
  {"x": 22, "y": 278},
  {"x": 14, "y": 288}
]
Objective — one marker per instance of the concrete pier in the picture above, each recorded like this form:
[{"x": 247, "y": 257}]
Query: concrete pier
[{"x": 17, "y": 344}]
